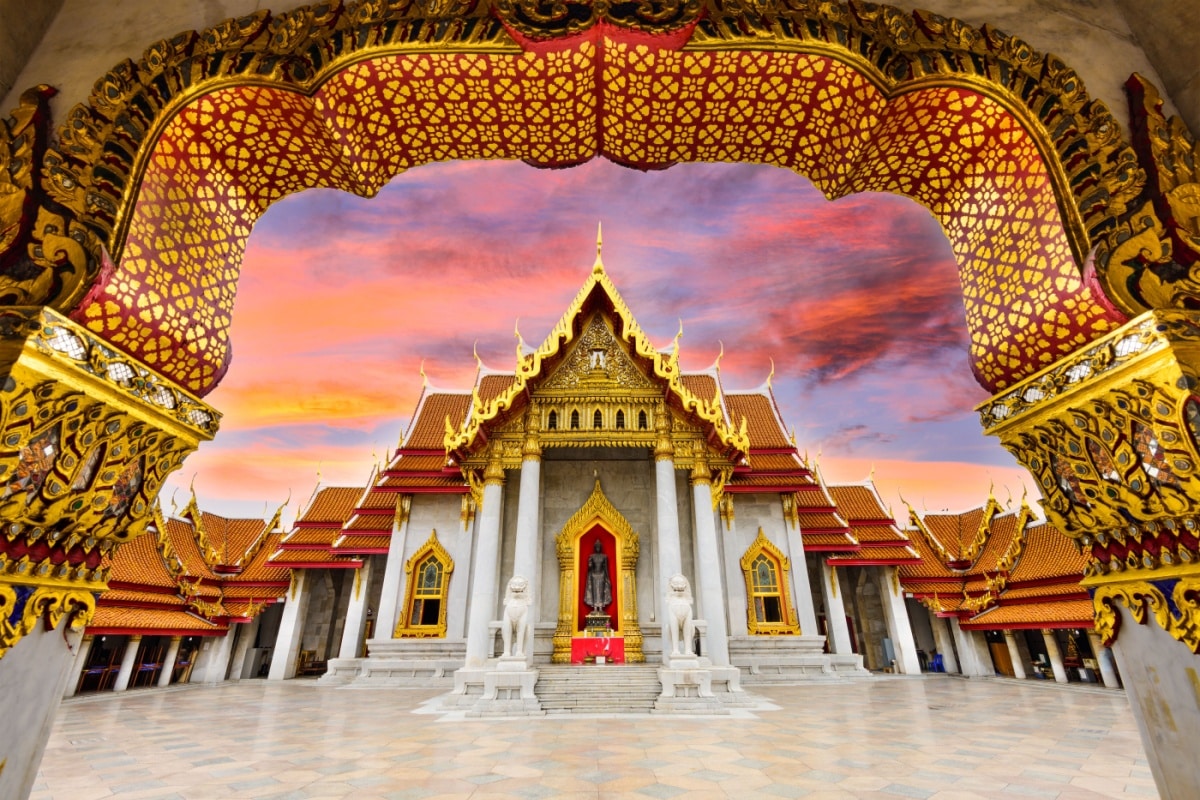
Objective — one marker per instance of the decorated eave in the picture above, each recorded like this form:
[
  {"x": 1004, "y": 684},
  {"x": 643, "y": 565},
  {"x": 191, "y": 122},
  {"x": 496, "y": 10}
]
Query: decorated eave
[
  {"x": 880, "y": 541},
  {"x": 309, "y": 545},
  {"x": 369, "y": 530},
  {"x": 772, "y": 463},
  {"x": 598, "y": 293},
  {"x": 419, "y": 465}
]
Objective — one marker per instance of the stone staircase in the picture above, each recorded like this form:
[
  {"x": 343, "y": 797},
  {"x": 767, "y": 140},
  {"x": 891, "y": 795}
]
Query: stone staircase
[{"x": 607, "y": 689}]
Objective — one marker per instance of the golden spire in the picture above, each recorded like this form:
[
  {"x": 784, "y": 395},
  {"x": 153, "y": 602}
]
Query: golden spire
[
  {"x": 424, "y": 377},
  {"x": 520, "y": 341},
  {"x": 771, "y": 375},
  {"x": 720, "y": 355},
  {"x": 598, "y": 267},
  {"x": 475, "y": 352}
]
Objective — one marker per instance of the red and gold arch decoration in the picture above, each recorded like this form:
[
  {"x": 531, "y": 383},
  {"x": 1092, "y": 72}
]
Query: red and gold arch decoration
[{"x": 173, "y": 158}]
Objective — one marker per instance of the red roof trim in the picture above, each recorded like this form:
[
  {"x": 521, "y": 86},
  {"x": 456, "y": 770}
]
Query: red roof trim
[
  {"x": 417, "y": 451},
  {"x": 154, "y": 632},
  {"x": 1026, "y": 626},
  {"x": 740, "y": 488},
  {"x": 348, "y": 564},
  {"x": 875, "y": 562}
]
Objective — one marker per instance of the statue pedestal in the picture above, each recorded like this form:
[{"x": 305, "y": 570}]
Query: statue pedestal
[
  {"x": 687, "y": 689},
  {"x": 508, "y": 690}
]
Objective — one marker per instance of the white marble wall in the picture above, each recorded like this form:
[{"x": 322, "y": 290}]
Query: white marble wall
[{"x": 443, "y": 513}]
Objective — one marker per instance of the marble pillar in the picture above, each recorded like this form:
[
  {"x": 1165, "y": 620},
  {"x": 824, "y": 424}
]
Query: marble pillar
[
  {"x": 670, "y": 559},
  {"x": 708, "y": 565},
  {"x": 168, "y": 664},
  {"x": 356, "y": 612},
  {"x": 945, "y": 642},
  {"x": 526, "y": 550},
  {"x": 128, "y": 662},
  {"x": 393, "y": 571},
  {"x": 1104, "y": 658},
  {"x": 81, "y": 658},
  {"x": 487, "y": 564},
  {"x": 895, "y": 614},
  {"x": 838, "y": 631},
  {"x": 1056, "y": 662},
  {"x": 212, "y": 662},
  {"x": 248, "y": 633},
  {"x": 974, "y": 657},
  {"x": 291, "y": 628},
  {"x": 33, "y": 674},
  {"x": 1014, "y": 652},
  {"x": 802, "y": 597}
]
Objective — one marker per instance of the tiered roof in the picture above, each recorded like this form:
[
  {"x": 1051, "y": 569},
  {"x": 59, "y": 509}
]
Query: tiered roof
[
  {"x": 310, "y": 543},
  {"x": 190, "y": 576},
  {"x": 880, "y": 541},
  {"x": 997, "y": 570}
]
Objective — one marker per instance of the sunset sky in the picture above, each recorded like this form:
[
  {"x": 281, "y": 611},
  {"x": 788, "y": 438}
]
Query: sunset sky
[{"x": 341, "y": 299}]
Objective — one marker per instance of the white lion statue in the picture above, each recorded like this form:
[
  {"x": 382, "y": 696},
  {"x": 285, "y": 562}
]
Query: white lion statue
[
  {"x": 679, "y": 615},
  {"x": 515, "y": 625}
]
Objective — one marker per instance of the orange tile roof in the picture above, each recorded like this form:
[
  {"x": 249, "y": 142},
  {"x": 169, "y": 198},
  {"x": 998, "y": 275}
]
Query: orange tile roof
[
  {"x": 352, "y": 544},
  {"x": 810, "y": 520},
  {"x": 762, "y": 423},
  {"x": 1045, "y": 590},
  {"x": 405, "y": 481},
  {"x": 955, "y": 532},
  {"x": 377, "y": 499},
  {"x": 428, "y": 430},
  {"x": 145, "y": 620},
  {"x": 765, "y": 462},
  {"x": 492, "y": 386},
  {"x": 124, "y": 596},
  {"x": 879, "y": 555},
  {"x": 307, "y": 558},
  {"x": 376, "y": 523},
  {"x": 311, "y": 538},
  {"x": 702, "y": 386},
  {"x": 817, "y": 497},
  {"x": 238, "y": 592},
  {"x": 182, "y": 537},
  {"x": 858, "y": 502},
  {"x": 139, "y": 562},
  {"x": 259, "y": 569},
  {"x": 332, "y": 504},
  {"x": 827, "y": 541},
  {"x": 1048, "y": 554},
  {"x": 1054, "y": 614},
  {"x": 879, "y": 534}
]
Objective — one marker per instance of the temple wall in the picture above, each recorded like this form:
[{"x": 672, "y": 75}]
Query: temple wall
[
  {"x": 922, "y": 628},
  {"x": 86, "y": 39},
  {"x": 442, "y": 513},
  {"x": 329, "y": 596},
  {"x": 868, "y": 615}
]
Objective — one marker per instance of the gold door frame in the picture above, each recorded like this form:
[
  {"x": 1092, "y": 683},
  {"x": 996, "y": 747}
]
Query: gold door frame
[{"x": 597, "y": 511}]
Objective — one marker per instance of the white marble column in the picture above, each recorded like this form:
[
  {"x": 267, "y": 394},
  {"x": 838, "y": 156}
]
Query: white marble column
[
  {"x": 356, "y": 612},
  {"x": 128, "y": 661},
  {"x": 802, "y": 596},
  {"x": 896, "y": 616},
  {"x": 291, "y": 628},
  {"x": 708, "y": 565},
  {"x": 670, "y": 558},
  {"x": 393, "y": 570},
  {"x": 212, "y": 662},
  {"x": 529, "y": 516},
  {"x": 835, "y": 611},
  {"x": 168, "y": 664},
  {"x": 1014, "y": 652},
  {"x": 1056, "y": 662},
  {"x": 248, "y": 632},
  {"x": 1104, "y": 658},
  {"x": 81, "y": 656},
  {"x": 944, "y": 641},
  {"x": 974, "y": 658},
  {"x": 487, "y": 564}
]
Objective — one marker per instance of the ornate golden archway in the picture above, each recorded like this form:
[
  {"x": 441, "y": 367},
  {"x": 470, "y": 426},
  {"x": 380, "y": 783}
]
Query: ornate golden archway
[{"x": 597, "y": 512}]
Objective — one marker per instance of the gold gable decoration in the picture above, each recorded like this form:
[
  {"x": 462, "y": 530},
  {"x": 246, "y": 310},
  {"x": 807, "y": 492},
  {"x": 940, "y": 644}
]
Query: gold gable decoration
[
  {"x": 597, "y": 509},
  {"x": 595, "y": 363}
]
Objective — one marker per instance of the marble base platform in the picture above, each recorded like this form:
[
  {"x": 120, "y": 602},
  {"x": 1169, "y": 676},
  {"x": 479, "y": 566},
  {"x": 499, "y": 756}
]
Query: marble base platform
[{"x": 788, "y": 659}]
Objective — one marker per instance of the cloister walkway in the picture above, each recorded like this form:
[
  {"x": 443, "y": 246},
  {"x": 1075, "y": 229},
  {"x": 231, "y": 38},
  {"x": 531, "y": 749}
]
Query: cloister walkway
[{"x": 930, "y": 737}]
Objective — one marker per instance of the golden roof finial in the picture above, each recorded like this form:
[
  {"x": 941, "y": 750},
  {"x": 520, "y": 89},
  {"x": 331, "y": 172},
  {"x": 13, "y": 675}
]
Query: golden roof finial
[
  {"x": 319, "y": 465},
  {"x": 720, "y": 355},
  {"x": 871, "y": 476},
  {"x": 772, "y": 375},
  {"x": 520, "y": 341},
  {"x": 598, "y": 267},
  {"x": 475, "y": 352},
  {"x": 424, "y": 377}
]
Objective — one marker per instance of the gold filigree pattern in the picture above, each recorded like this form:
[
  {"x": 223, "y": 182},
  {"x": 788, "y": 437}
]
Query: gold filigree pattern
[
  {"x": 859, "y": 97},
  {"x": 23, "y": 606},
  {"x": 767, "y": 571},
  {"x": 431, "y": 585},
  {"x": 1178, "y": 616}
]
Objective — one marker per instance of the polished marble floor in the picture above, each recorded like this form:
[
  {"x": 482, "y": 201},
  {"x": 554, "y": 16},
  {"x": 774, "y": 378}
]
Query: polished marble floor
[{"x": 932, "y": 737}]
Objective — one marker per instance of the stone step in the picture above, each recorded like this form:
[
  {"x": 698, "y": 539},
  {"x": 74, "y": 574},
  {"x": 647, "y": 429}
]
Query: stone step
[{"x": 606, "y": 689}]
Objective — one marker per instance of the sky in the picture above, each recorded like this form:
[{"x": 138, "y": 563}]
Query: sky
[{"x": 342, "y": 299}]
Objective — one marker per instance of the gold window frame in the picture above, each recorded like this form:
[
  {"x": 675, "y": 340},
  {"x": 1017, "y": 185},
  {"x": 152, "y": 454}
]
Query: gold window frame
[
  {"x": 404, "y": 629},
  {"x": 788, "y": 625}
]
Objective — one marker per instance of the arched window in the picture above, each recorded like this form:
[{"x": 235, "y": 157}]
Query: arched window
[
  {"x": 768, "y": 602},
  {"x": 641, "y": 420},
  {"x": 428, "y": 580},
  {"x": 552, "y": 421},
  {"x": 620, "y": 420},
  {"x": 597, "y": 419},
  {"x": 574, "y": 420}
]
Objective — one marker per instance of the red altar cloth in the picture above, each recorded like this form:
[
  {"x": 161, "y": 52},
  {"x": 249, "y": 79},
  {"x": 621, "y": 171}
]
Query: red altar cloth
[{"x": 611, "y": 647}]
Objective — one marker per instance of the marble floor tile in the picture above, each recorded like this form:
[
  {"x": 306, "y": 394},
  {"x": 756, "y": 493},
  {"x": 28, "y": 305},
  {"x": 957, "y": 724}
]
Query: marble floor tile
[{"x": 936, "y": 737}]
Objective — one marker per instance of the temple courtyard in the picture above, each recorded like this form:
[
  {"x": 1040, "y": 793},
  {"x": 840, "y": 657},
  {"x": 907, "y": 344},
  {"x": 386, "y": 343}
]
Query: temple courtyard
[{"x": 921, "y": 737}]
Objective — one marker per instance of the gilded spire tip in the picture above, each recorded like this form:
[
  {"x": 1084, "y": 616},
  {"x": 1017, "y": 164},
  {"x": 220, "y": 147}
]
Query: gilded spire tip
[
  {"x": 771, "y": 376},
  {"x": 424, "y": 377},
  {"x": 598, "y": 267}
]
